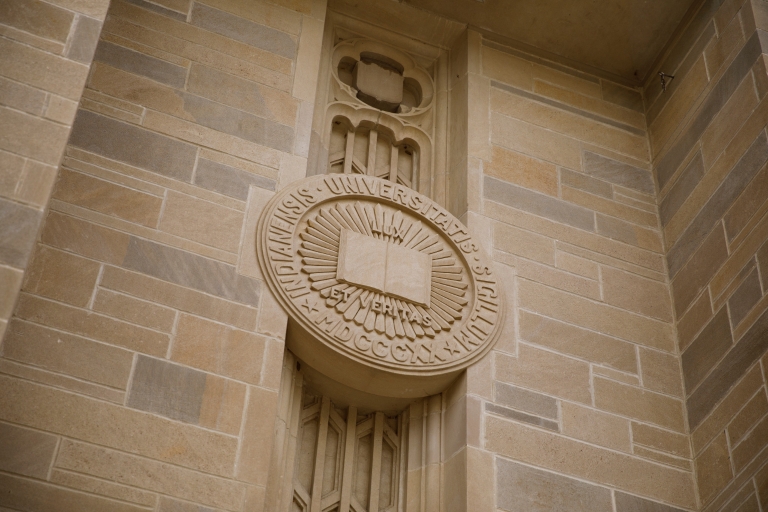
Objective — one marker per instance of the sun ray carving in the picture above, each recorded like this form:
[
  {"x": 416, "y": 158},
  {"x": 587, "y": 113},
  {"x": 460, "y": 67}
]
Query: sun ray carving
[{"x": 383, "y": 311}]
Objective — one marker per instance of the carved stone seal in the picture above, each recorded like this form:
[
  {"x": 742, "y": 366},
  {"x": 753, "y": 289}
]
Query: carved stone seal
[{"x": 385, "y": 289}]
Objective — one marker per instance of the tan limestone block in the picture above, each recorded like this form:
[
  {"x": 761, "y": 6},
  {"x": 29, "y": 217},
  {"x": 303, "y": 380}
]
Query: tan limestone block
[
  {"x": 201, "y": 221},
  {"x": 108, "y": 198},
  {"x": 26, "y": 494},
  {"x": 507, "y": 278},
  {"x": 523, "y": 243},
  {"x": 222, "y": 405},
  {"x": 595, "y": 427},
  {"x": 61, "y": 276},
  {"x": 84, "y": 238},
  {"x": 133, "y": 310},
  {"x": 61, "y": 109},
  {"x": 10, "y": 283},
  {"x": 255, "y": 496},
  {"x": 292, "y": 168},
  {"x": 116, "y": 426},
  {"x": 545, "y": 371},
  {"x": 63, "y": 353},
  {"x": 713, "y": 468},
  {"x": 42, "y": 70},
  {"x": 26, "y": 452},
  {"x": 535, "y": 141},
  {"x": 739, "y": 258},
  {"x": 85, "y": 323},
  {"x": 680, "y": 103},
  {"x": 753, "y": 443},
  {"x": 609, "y": 207},
  {"x": 727, "y": 11},
  {"x": 596, "y": 316},
  {"x": 36, "y": 183},
  {"x": 480, "y": 480},
  {"x": 568, "y": 124},
  {"x": 247, "y": 263},
  {"x": 658, "y": 439},
  {"x": 273, "y": 320},
  {"x": 669, "y": 460},
  {"x": 522, "y": 170},
  {"x": 582, "y": 460},
  {"x": 60, "y": 381},
  {"x": 480, "y": 377},
  {"x": 39, "y": 18},
  {"x": 277, "y": 15},
  {"x": 181, "y": 6},
  {"x": 641, "y": 270},
  {"x": 639, "y": 404},
  {"x": 694, "y": 320},
  {"x": 626, "y": 378},
  {"x": 95, "y": 96},
  {"x": 149, "y": 474},
  {"x": 256, "y": 447},
  {"x": 567, "y": 81},
  {"x": 549, "y": 276},
  {"x": 103, "y": 488},
  {"x": 636, "y": 294},
  {"x": 577, "y": 265},
  {"x": 274, "y": 355},
  {"x": 661, "y": 372},
  {"x": 753, "y": 411},
  {"x": 727, "y": 121},
  {"x": 478, "y": 124},
  {"x": 578, "y": 342},
  {"x": 726, "y": 410},
  {"x": 219, "y": 349},
  {"x": 507, "y": 68},
  {"x": 179, "y": 297},
  {"x": 718, "y": 50},
  {"x": 31, "y": 136},
  {"x": 760, "y": 75},
  {"x": 308, "y": 59}
]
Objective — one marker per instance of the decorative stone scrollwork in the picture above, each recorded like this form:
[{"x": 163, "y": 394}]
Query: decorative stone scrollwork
[{"x": 380, "y": 282}]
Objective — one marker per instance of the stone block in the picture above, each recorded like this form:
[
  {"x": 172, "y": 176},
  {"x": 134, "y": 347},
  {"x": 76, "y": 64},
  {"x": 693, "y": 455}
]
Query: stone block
[
  {"x": 109, "y": 198},
  {"x": 10, "y": 283},
  {"x": 18, "y": 230},
  {"x": 202, "y": 221},
  {"x": 753, "y": 411},
  {"x": 748, "y": 206},
  {"x": 103, "y": 488},
  {"x": 596, "y": 427},
  {"x": 26, "y": 452},
  {"x": 576, "y": 265},
  {"x": 752, "y": 444},
  {"x": 545, "y": 371},
  {"x": 85, "y": 323},
  {"x": 744, "y": 298},
  {"x": 660, "y": 372},
  {"x": 525, "y": 400},
  {"x": 586, "y": 183},
  {"x": 219, "y": 349},
  {"x": 523, "y": 488},
  {"x": 85, "y": 238},
  {"x": 84, "y": 40},
  {"x": 718, "y": 204},
  {"x": 619, "y": 173},
  {"x": 582, "y": 343},
  {"x": 521, "y": 416},
  {"x": 622, "y": 96},
  {"x": 39, "y": 18},
  {"x": 141, "y": 64},
  {"x": 628, "y": 503},
  {"x": 595, "y": 316},
  {"x": 256, "y": 447},
  {"x": 638, "y": 404},
  {"x": 647, "y": 297},
  {"x": 689, "y": 325},
  {"x": 61, "y": 110},
  {"x": 538, "y": 204},
  {"x": 152, "y": 475},
  {"x": 133, "y": 145},
  {"x": 686, "y": 182},
  {"x": 697, "y": 273},
  {"x": 179, "y": 297},
  {"x": 714, "y": 468},
  {"x": 663, "y": 440},
  {"x": 134, "y": 310},
  {"x": 588, "y": 462},
  {"x": 228, "y": 180},
  {"x": 33, "y": 137},
  {"x": 584, "y": 84},
  {"x": 284, "y": 16},
  {"x": 243, "y": 30},
  {"x": 21, "y": 97},
  {"x": 507, "y": 68},
  {"x": 523, "y": 243},
  {"x": 64, "y": 353},
  {"x": 534, "y": 141},
  {"x": 523, "y": 170},
  {"x": 42, "y": 70},
  {"x": 35, "y": 496}
]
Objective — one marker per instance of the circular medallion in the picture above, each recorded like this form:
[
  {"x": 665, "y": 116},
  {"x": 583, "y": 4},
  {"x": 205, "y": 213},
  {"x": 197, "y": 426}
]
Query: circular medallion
[{"x": 383, "y": 286}]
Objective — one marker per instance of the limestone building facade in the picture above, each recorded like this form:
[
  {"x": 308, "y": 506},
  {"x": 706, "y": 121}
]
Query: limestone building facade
[{"x": 360, "y": 255}]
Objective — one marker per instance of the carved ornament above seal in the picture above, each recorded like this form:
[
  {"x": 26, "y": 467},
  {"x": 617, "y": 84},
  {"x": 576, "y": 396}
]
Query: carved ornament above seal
[{"x": 379, "y": 274}]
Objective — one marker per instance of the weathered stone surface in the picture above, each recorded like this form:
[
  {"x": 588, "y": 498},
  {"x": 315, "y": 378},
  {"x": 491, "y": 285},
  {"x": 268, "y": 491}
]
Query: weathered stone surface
[
  {"x": 243, "y": 30},
  {"x": 523, "y": 170},
  {"x": 133, "y": 145},
  {"x": 714, "y": 468},
  {"x": 26, "y": 452},
  {"x": 739, "y": 358},
  {"x": 619, "y": 173},
  {"x": 539, "y": 204},
  {"x": 689, "y": 178},
  {"x": 141, "y": 64},
  {"x": 695, "y": 275},
  {"x": 526, "y": 489},
  {"x": 31, "y": 136},
  {"x": 167, "y": 389},
  {"x": 188, "y": 269},
  {"x": 228, "y": 180},
  {"x": 18, "y": 229},
  {"x": 722, "y": 199},
  {"x": 706, "y": 350}
]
